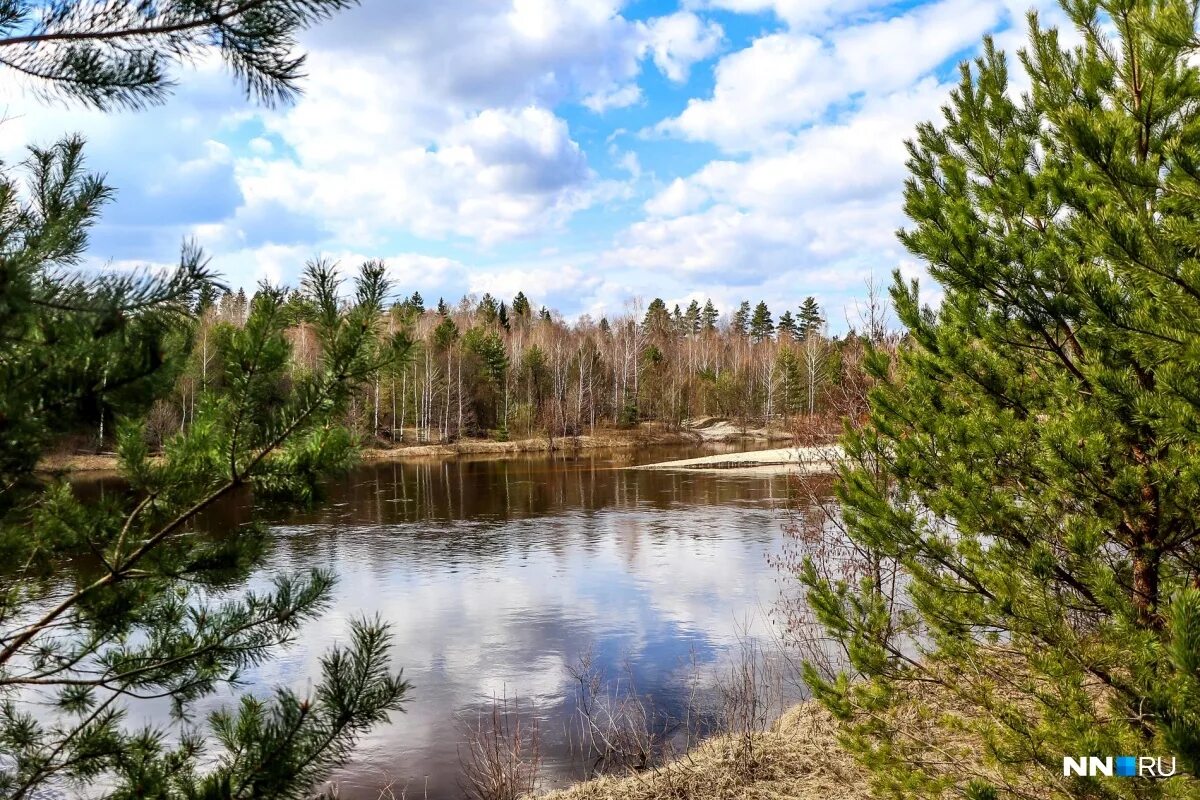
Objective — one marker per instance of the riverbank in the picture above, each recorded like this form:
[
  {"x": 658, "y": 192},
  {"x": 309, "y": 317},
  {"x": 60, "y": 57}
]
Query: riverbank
[
  {"x": 613, "y": 440},
  {"x": 932, "y": 726},
  {"x": 704, "y": 431},
  {"x": 776, "y": 461},
  {"x": 799, "y": 757}
]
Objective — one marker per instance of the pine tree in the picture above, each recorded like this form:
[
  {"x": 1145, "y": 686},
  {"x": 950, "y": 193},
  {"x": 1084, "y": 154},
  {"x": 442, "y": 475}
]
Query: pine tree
[
  {"x": 709, "y": 316},
  {"x": 786, "y": 326},
  {"x": 809, "y": 321},
  {"x": 147, "y": 623},
  {"x": 657, "y": 319},
  {"x": 119, "y": 53},
  {"x": 417, "y": 303},
  {"x": 206, "y": 297},
  {"x": 761, "y": 325},
  {"x": 488, "y": 310},
  {"x": 1031, "y": 463},
  {"x": 691, "y": 318},
  {"x": 741, "y": 319},
  {"x": 488, "y": 347},
  {"x": 240, "y": 304},
  {"x": 520, "y": 307},
  {"x": 156, "y": 615}
]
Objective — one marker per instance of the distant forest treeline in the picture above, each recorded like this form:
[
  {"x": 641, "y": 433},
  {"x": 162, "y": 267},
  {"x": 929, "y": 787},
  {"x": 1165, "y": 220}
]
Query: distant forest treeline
[{"x": 490, "y": 368}]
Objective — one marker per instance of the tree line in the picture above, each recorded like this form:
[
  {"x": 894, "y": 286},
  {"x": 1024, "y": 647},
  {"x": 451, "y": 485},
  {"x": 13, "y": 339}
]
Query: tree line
[{"x": 483, "y": 367}]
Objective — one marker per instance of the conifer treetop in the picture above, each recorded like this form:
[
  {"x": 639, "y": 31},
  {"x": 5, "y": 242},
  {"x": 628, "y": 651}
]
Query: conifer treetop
[{"x": 120, "y": 53}]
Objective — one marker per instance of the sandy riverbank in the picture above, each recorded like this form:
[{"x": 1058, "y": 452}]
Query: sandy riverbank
[
  {"x": 780, "y": 460},
  {"x": 708, "y": 430}
]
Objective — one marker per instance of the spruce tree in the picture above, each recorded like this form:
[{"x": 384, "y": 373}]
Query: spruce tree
[
  {"x": 709, "y": 316},
  {"x": 488, "y": 310},
  {"x": 520, "y": 306},
  {"x": 761, "y": 325},
  {"x": 417, "y": 303},
  {"x": 741, "y": 319},
  {"x": 1032, "y": 460},
  {"x": 809, "y": 320},
  {"x": 206, "y": 297},
  {"x": 786, "y": 326},
  {"x": 692, "y": 318}
]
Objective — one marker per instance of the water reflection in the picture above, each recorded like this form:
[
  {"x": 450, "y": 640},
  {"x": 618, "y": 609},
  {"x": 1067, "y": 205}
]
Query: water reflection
[{"x": 497, "y": 574}]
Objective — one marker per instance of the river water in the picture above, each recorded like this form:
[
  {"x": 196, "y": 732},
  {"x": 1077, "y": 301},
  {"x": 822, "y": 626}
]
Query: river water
[{"x": 498, "y": 575}]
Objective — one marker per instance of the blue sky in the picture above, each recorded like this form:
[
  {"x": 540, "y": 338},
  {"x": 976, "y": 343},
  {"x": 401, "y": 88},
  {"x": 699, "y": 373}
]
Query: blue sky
[{"x": 592, "y": 153}]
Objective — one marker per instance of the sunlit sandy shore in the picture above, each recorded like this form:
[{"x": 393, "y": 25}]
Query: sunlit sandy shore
[{"x": 778, "y": 460}]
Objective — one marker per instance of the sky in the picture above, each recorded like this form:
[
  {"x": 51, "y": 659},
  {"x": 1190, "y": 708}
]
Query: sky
[{"x": 591, "y": 153}]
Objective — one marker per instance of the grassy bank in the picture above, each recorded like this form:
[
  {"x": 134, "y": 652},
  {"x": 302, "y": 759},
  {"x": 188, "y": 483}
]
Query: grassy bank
[{"x": 798, "y": 757}]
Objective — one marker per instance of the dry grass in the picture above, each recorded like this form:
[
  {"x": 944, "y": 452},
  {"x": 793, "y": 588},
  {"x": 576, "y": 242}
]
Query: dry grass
[
  {"x": 798, "y": 757},
  {"x": 78, "y": 462},
  {"x": 502, "y": 755}
]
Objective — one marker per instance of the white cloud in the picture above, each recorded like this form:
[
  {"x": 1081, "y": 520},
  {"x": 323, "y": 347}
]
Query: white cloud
[
  {"x": 447, "y": 121},
  {"x": 801, "y": 13},
  {"x": 680, "y": 197},
  {"x": 619, "y": 97},
  {"x": 491, "y": 176},
  {"x": 787, "y": 80},
  {"x": 679, "y": 40}
]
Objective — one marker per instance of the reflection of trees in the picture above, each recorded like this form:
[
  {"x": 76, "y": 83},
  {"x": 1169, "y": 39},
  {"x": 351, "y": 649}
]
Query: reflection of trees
[
  {"x": 467, "y": 508},
  {"x": 450, "y": 509}
]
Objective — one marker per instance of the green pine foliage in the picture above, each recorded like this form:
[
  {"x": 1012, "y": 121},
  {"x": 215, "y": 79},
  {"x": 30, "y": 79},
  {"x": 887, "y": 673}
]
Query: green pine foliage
[
  {"x": 691, "y": 318},
  {"x": 786, "y": 326},
  {"x": 103, "y": 601},
  {"x": 521, "y": 308},
  {"x": 120, "y": 53},
  {"x": 809, "y": 321},
  {"x": 740, "y": 324},
  {"x": 657, "y": 319},
  {"x": 1032, "y": 462},
  {"x": 762, "y": 327}
]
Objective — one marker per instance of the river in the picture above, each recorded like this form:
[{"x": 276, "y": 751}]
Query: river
[{"x": 498, "y": 575}]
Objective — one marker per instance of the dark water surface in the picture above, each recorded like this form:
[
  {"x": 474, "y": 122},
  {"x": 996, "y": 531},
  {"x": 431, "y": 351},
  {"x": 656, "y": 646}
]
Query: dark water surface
[{"x": 496, "y": 575}]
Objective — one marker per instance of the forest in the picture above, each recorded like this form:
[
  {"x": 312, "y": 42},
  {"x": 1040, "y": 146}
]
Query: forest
[{"x": 483, "y": 368}]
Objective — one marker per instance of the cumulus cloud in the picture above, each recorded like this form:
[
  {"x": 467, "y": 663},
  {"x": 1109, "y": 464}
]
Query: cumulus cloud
[
  {"x": 679, "y": 40},
  {"x": 811, "y": 120},
  {"x": 461, "y": 135},
  {"x": 802, "y": 13},
  {"x": 788, "y": 80},
  {"x": 618, "y": 97},
  {"x": 490, "y": 176}
]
